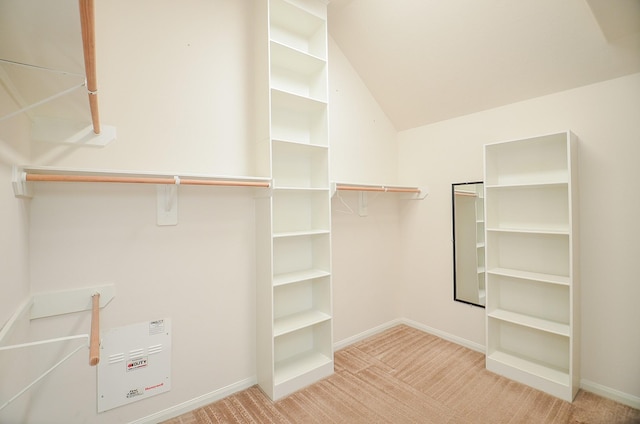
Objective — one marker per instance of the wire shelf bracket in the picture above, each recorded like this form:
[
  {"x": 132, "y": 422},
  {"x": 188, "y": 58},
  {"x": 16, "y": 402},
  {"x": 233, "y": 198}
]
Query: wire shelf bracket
[{"x": 42, "y": 305}]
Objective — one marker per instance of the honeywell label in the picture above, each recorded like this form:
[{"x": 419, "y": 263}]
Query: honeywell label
[
  {"x": 153, "y": 387},
  {"x": 135, "y": 364},
  {"x": 156, "y": 327}
]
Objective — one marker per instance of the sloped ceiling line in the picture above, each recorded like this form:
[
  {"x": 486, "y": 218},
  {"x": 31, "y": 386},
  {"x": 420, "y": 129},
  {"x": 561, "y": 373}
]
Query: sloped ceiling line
[{"x": 428, "y": 60}]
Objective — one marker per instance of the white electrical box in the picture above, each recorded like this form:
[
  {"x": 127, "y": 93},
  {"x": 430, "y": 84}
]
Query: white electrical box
[{"x": 135, "y": 363}]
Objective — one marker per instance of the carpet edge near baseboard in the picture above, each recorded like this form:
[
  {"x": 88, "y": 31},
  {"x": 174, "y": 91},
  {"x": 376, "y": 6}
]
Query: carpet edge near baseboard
[
  {"x": 609, "y": 393},
  {"x": 197, "y": 402},
  {"x": 587, "y": 385}
]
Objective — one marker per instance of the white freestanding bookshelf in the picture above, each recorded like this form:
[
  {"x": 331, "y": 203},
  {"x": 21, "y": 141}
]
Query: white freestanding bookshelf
[
  {"x": 294, "y": 308},
  {"x": 532, "y": 309}
]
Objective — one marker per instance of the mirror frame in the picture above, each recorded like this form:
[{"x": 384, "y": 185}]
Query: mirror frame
[{"x": 453, "y": 239}]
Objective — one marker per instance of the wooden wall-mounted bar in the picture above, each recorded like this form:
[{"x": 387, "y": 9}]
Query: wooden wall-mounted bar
[
  {"x": 23, "y": 176},
  {"x": 166, "y": 184},
  {"x": 143, "y": 180},
  {"x": 415, "y": 191},
  {"x": 94, "y": 337},
  {"x": 386, "y": 189},
  {"x": 87, "y": 23},
  {"x": 406, "y": 192},
  {"x": 465, "y": 193}
]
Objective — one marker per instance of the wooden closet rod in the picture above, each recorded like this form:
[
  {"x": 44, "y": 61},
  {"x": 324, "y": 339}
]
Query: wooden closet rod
[
  {"x": 463, "y": 193},
  {"x": 143, "y": 180},
  {"x": 87, "y": 23},
  {"x": 94, "y": 338},
  {"x": 378, "y": 188}
]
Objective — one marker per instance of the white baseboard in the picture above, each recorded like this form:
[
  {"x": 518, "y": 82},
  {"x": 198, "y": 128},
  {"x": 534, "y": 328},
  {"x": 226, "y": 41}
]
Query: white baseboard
[
  {"x": 365, "y": 334},
  {"x": 609, "y": 393},
  {"x": 196, "y": 403},
  {"x": 380, "y": 328},
  {"x": 444, "y": 335}
]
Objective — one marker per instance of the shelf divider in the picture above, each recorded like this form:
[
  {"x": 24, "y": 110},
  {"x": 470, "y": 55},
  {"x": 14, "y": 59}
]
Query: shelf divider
[
  {"x": 534, "y": 276},
  {"x": 298, "y": 321},
  {"x": 531, "y": 322}
]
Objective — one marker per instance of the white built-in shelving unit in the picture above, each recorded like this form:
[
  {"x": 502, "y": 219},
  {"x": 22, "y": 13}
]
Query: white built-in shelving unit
[
  {"x": 532, "y": 263},
  {"x": 294, "y": 313}
]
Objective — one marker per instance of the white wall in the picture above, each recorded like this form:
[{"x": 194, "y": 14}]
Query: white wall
[
  {"x": 200, "y": 273},
  {"x": 176, "y": 81},
  {"x": 605, "y": 118},
  {"x": 14, "y": 227},
  {"x": 364, "y": 248},
  {"x": 14, "y": 286},
  {"x": 363, "y": 145},
  {"x": 14, "y": 264}
]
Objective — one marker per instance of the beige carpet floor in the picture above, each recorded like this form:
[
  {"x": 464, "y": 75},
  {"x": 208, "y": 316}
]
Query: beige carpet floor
[{"x": 404, "y": 375}]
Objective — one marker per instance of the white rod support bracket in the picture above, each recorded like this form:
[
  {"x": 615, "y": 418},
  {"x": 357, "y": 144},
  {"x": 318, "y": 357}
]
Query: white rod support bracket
[
  {"x": 66, "y": 301},
  {"x": 424, "y": 192},
  {"x": 42, "y": 305},
  {"x": 21, "y": 188},
  {"x": 167, "y": 203},
  {"x": 22, "y": 310},
  {"x": 60, "y": 131},
  {"x": 334, "y": 188},
  {"x": 363, "y": 203}
]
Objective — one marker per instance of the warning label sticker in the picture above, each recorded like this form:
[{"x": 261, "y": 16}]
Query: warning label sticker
[
  {"x": 156, "y": 327},
  {"x": 134, "y": 393},
  {"x": 135, "y": 364}
]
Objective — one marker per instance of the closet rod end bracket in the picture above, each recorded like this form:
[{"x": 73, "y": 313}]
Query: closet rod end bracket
[
  {"x": 334, "y": 188},
  {"x": 424, "y": 192},
  {"x": 167, "y": 203},
  {"x": 21, "y": 187},
  {"x": 420, "y": 195}
]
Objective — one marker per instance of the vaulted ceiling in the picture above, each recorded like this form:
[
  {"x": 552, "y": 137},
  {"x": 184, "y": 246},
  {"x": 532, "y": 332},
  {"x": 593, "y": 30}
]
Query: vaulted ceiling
[{"x": 429, "y": 60}]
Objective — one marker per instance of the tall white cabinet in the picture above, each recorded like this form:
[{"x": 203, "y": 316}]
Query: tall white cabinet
[
  {"x": 294, "y": 308},
  {"x": 532, "y": 262}
]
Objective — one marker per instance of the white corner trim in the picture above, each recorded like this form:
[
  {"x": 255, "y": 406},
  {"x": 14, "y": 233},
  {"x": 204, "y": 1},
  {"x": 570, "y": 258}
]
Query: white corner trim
[
  {"x": 609, "y": 393},
  {"x": 197, "y": 402},
  {"x": 444, "y": 335},
  {"x": 380, "y": 328},
  {"x": 365, "y": 334}
]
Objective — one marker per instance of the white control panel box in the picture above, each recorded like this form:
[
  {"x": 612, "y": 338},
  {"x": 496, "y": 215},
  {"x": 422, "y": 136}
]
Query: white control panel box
[{"x": 135, "y": 363}]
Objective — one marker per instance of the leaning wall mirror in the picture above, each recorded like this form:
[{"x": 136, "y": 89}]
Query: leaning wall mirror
[{"x": 468, "y": 242}]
